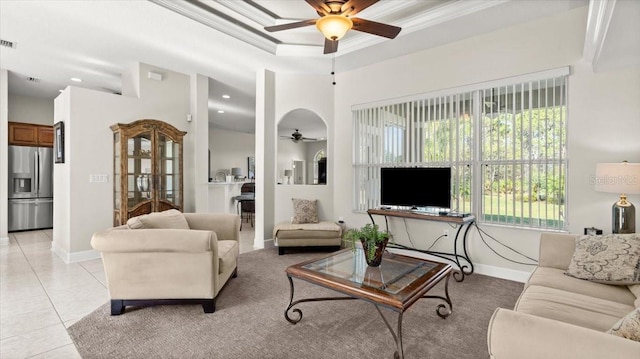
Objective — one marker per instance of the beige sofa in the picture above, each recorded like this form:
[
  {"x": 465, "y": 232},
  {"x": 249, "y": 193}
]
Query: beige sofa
[
  {"x": 562, "y": 317},
  {"x": 171, "y": 258}
]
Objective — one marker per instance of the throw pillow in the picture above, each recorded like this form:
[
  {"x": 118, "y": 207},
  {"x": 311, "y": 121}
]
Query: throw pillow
[
  {"x": 304, "y": 211},
  {"x": 170, "y": 219},
  {"x": 628, "y": 327},
  {"x": 609, "y": 259}
]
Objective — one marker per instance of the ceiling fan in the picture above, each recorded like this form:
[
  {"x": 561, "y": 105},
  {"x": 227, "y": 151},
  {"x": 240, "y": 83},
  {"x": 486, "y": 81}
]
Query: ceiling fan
[
  {"x": 296, "y": 137},
  {"x": 336, "y": 19}
]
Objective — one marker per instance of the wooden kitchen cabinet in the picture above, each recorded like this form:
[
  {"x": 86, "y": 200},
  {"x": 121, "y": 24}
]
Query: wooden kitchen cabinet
[{"x": 28, "y": 134}]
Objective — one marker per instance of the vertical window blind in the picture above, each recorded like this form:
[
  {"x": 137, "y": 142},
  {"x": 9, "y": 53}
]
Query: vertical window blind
[{"x": 505, "y": 142}]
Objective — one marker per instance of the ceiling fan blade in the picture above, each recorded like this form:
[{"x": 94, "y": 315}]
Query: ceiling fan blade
[
  {"x": 376, "y": 28},
  {"x": 320, "y": 7},
  {"x": 353, "y": 7},
  {"x": 330, "y": 46},
  {"x": 292, "y": 25}
]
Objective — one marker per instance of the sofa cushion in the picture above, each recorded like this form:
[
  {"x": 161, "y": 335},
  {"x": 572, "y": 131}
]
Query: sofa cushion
[
  {"x": 304, "y": 211},
  {"x": 610, "y": 259},
  {"x": 307, "y": 230},
  {"x": 555, "y": 278},
  {"x": 573, "y": 308},
  {"x": 170, "y": 219},
  {"x": 635, "y": 289},
  {"x": 628, "y": 327}
]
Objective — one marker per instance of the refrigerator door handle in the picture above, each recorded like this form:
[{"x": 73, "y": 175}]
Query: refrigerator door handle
[{"x": 37, "y": 172}]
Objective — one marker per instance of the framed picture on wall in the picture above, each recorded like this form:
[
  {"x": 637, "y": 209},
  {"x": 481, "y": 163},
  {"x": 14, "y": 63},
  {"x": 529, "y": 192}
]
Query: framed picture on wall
[{"x": 58, "y": 142}]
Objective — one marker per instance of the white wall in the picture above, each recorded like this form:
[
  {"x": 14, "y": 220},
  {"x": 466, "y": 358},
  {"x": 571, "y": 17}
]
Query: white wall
[
  {"x": 265, "y": 159},
  {"x": 230, "y": 149},
  {"x": 603, "y": 119},
  {"x": 82, "y": 208},
  {"x": 288, "y": 151},
  {"x": 294, "y": 91},
  {"x": 30, "y": 110},
  {"x": 4, "y": 156},
  {"x": 200, "y": 127}
]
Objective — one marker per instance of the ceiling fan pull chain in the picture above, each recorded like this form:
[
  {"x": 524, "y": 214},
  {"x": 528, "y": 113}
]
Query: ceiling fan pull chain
[{"x": 333, "y": 68}]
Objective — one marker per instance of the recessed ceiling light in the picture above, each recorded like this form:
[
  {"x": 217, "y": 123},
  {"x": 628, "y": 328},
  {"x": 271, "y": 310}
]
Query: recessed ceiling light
[
  {"x": 226, "y": 96},
  {"x": 220, "y": 111},
  {"x": 75, "y": 79}
]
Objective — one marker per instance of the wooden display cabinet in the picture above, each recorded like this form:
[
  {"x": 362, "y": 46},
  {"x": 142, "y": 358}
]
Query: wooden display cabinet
[{"x": 147, "y": 167}]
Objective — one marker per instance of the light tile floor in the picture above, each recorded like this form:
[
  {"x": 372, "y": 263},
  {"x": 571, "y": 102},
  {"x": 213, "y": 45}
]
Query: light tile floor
[{"x": 41, "y": 296}]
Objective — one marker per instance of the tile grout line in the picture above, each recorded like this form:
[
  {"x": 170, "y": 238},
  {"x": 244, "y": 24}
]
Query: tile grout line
[{"x": 41, "y": 284}]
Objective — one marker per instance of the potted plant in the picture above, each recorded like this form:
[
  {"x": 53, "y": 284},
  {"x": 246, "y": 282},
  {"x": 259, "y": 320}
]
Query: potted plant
[{"x": 373, "y": 240}]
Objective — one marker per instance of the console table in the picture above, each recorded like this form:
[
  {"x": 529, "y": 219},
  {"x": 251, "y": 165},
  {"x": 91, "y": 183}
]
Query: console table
[{"x": 462, "y": 222}]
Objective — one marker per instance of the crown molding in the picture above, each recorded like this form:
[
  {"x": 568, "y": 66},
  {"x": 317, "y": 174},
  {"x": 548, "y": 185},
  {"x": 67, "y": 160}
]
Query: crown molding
[
  {"x": 598, "y": 21},
  {"x": 245, "y": 21},
  {"x": 420, "y": 20},
  {"x": 217, "y": 20}
]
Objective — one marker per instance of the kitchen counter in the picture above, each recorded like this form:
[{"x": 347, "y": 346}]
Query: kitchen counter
[{"x": 221, "y": 196}]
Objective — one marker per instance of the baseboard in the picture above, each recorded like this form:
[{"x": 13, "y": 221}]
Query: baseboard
[
  {"x": 503, "y": 273},
  {"x": 484, "y": 269},
  {"x": 4, "y": 241},
  {"x": 74, "y": 257},
  {"x": 269, "y": 243}
]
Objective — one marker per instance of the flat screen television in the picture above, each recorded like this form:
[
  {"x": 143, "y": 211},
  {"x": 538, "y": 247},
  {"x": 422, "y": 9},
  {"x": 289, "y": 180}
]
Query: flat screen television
[{"x": 416, "y": 187}]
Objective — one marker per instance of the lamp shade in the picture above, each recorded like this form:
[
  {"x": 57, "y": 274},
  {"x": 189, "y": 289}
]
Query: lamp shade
[
  {"x": 288, "y": 173},
  {"x": 333, "y": 27},
  {"x": 236, "y": 171},
  {"x": 621, "y": 178}
]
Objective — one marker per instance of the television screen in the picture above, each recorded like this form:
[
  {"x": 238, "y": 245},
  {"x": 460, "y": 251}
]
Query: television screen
[{"x": 416, "y": 187}]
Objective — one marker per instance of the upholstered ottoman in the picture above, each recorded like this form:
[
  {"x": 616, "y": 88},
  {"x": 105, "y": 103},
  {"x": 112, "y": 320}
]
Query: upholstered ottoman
[{"x": 321, "y": 234}]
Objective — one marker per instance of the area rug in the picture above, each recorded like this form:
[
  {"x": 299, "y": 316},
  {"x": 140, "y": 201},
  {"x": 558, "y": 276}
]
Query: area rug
[{"x": 249, "y": 321}]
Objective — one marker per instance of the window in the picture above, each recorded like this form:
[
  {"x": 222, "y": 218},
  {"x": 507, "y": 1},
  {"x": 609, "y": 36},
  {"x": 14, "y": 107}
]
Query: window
[{"x": 505, "y": 142}]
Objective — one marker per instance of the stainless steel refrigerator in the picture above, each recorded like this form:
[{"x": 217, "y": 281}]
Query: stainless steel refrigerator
[{"x": 30, "y": 188}]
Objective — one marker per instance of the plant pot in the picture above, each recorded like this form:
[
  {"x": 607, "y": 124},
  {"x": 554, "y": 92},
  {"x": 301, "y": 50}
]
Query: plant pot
[{"x": 379, "y": 250}]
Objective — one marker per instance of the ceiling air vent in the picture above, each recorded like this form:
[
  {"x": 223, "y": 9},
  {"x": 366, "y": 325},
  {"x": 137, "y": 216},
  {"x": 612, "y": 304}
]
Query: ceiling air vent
[
  {"x": 33, "y": 79},
  {"x": 6, "y": 43}
]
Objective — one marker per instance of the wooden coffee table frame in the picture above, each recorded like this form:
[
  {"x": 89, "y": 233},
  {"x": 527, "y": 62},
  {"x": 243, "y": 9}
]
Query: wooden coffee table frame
[{"x": 398, "y": 302}]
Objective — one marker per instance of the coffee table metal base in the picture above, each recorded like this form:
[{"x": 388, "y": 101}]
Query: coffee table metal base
[{"x": 442, "y": 310}]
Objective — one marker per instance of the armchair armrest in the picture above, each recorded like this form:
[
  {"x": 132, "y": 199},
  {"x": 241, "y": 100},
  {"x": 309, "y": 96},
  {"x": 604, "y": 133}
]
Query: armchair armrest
[
  {"x": 556, "y": 250},
  {"x": 524, "y": 336},
  {"x": 155, "y": 240},
  {"x": 225, "y": 225}
]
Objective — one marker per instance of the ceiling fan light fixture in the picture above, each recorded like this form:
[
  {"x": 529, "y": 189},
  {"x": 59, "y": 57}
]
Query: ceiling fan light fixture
[{"x": 334, "y": 27}]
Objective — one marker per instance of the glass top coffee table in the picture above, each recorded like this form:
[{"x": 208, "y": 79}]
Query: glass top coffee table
[{"x": 396, "y": 284}]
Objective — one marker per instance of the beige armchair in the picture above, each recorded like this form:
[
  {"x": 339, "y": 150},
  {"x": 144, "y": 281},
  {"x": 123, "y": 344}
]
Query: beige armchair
[{"x": 170, "y": 258}]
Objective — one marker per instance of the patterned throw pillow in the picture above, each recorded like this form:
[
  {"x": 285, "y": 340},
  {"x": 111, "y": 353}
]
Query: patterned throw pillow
[
  {"x": 304, "y": 211},
  {"x": 628, "y": 327},
  {"x": 609, "y": 259}
]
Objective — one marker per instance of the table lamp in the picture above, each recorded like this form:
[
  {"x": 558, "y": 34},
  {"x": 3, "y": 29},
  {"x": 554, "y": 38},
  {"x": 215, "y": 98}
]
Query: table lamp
[
  {"x": 622, "y": 178},
  {"x": 288, "y": 174},
  {"x": 236, "y": 172}
]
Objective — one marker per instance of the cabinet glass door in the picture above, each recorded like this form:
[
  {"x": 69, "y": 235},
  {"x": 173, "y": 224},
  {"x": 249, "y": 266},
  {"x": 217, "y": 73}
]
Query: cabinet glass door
[
  {"x": 117, "y": 163},
  {"x": 139, "y": 167},
  {"x": 169, "y": 170}
]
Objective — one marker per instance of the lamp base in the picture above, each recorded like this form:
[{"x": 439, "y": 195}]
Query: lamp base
[{"x": 624, "y": 217}]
